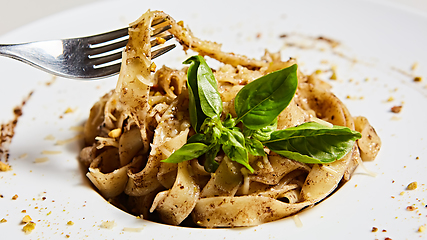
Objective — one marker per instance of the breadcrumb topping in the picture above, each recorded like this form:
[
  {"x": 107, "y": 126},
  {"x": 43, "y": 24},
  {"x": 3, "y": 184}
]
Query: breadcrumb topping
[
  {"x": 29, "y": 227},
  {"x": 396, "y": 109},
  {"x": 4, "y": 167},
  {"x": 412, "y": 186},
  {"x": 26, "y": 219}
]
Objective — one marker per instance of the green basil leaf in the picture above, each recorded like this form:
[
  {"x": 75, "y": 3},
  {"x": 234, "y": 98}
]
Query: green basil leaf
[
  {"x": 210, "y": 164},
  {"x": 313, "y": 142},
  {"x": 197, "y": 116},
  {"x": 233, "y": 145},
  {"x": 254, "y": 147},
  {"x": 207, "y": 89},
  {"x": 187, "y": 152},
  {"x": 261, "y": 101},
  {"x": 197, "y": 138}
]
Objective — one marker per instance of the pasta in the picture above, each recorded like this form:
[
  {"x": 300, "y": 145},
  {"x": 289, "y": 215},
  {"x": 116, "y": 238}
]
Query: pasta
[{"x": 145, "y": 120}]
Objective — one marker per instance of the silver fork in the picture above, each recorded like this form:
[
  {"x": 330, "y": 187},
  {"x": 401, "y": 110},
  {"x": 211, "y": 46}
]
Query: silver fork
[{"x": 89, "y": 57}]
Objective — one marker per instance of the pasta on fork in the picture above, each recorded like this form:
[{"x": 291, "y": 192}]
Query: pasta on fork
[{"x": 194, "y": 145}]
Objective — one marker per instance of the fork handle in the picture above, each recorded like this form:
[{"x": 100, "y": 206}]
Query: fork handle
[
  {"x": 33, "y": 53},
  {"x": 20, "y": 52},
  {"x": 7, "y": 50}
]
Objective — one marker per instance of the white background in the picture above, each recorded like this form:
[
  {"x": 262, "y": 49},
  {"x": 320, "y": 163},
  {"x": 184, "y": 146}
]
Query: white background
[{"x": 16, "y": 13}]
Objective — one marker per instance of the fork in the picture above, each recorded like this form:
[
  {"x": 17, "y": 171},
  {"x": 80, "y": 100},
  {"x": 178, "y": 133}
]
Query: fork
[{"x": 91, "y": 57}]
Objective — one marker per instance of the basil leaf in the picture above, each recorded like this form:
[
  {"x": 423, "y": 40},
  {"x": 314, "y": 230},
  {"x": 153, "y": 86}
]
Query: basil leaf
[
  {"x": 233, "y": 145},
  {"x": 197, "y": 116},
  {"x": 207, "y": 89},
  {"x": 187, "y": 152},
  {"x": 210, "y": 164},
  {"x": 197, "y": 138},
  {"x": 261, "y": 101},
  {"x": 254, "y": 147},
  {"x": 313, "y": 142}
]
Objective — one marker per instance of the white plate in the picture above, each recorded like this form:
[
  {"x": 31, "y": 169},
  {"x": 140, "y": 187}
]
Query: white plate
[{"x": 378, "y": 45}]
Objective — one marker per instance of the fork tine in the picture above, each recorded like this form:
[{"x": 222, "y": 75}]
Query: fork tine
[
  {"x": 161, "y": 51},
  {"x": 115, "y": 68},
  {"x": 105, "y": 59},
  {"x": 158, "y": 31},
  {"x": 123, "y": 32},
  {"x": 116, "y": 56},
  {"x": 118, "y": 45},
  {"x": 109, "y": 36},
  {"x": 108, "y": 70},
  {"x": 158, "y": 21},
  {"x": 107, "y": 48}
]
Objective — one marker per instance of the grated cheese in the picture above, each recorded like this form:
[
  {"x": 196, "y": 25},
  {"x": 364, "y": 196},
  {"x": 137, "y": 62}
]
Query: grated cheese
[
  {"x": 297, "y": 221},
  {"x": 245, "y": 186},
  {"x": 49, "y": 137},
  {"x": 62, "y": 142},
  {"x": 51, "y": 152},
  {"x": 108, "y": 224},
  {"x": 322, "y": 122},
  {"x": 369, "y": 172},
  {"x": 127, "y": 229},
  {"x": 145, "y": 81},
  {"x": 165, "y": 151},
  {"x": 77, "y": 128},
  {"x": 41, "y": 160},
  {"x": 329, "y": 169}
]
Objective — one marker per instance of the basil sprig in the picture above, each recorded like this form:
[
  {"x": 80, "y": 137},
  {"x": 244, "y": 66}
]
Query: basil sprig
[{"x": 258, "y": 104}]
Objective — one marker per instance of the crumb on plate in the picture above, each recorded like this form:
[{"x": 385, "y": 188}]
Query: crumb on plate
[
  {"x": 411, "y": 208},
  {"x": 69, "y": 110},
  {"x": 26, "y": 219},
  {"x": 29, "y": 227},
  {"x": 108, "y": 224},
  {"x": 334, "y": 73},
  {"x": 418, "y": 79},
  {"x": 396, "y": 109},
  {"x": 412, "y": 186},
  {"x": 4, "y": 167}
]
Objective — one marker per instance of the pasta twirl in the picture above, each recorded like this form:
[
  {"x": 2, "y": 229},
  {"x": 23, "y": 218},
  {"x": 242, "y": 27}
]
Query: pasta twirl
[{"x": 145, "y": 119}]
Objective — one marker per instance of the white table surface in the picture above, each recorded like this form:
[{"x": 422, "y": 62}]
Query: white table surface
[{"x": 22, "y": 12}]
